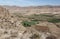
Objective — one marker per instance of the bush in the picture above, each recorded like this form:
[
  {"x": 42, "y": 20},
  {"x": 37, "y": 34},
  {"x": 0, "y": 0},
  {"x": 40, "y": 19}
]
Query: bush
[{"x": 28, "y": 23}]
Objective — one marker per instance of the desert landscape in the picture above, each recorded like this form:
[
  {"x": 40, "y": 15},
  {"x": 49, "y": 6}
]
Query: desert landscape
[{"x": 33, "y": 22}]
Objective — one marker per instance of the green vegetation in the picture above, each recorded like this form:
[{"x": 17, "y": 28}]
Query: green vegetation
[
  {"x": 45, "y": 17},
  {"x": 54, "y": 20},
  {"x": 36, "y": 18},
  {"x": 28, "y": 23}
]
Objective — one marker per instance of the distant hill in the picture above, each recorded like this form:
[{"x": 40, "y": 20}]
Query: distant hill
[{"x": 33, "y": 9}]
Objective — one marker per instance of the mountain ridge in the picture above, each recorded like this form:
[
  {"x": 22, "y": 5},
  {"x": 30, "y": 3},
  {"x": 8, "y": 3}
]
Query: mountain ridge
[{"x": 34, "y": 9}]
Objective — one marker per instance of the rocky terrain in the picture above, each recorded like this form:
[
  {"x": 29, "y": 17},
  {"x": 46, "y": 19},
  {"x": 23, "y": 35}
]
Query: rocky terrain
[
  {"x": 34, "y": 9},
  {"x": 14, "y": 24}
]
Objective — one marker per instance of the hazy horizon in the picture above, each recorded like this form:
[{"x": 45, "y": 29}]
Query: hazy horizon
[{"x": 30, "y": 2}]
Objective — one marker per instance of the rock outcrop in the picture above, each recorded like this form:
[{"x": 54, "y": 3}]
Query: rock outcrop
[
  {"x": 3, "y": 12},
  {"x": 10, "y": 26}
]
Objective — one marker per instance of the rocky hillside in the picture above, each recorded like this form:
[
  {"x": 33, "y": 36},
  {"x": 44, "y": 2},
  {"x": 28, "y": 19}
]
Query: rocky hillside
[
  {"x": 34, "y": 9},
  {"x": 35, "y": 26}
]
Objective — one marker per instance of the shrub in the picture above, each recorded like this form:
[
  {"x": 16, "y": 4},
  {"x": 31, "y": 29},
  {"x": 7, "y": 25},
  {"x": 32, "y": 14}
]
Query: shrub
[{"x": 28, "y": 23}]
